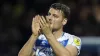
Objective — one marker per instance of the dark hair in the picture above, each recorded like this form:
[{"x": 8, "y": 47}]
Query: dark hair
[{"x": 65, "y": 9}]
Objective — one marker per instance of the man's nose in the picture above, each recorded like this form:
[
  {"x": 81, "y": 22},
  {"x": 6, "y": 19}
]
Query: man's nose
[{"x": 50, "y": 18}]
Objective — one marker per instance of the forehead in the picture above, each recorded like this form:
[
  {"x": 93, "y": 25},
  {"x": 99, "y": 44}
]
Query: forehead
[{"x": 55, "y": 11}]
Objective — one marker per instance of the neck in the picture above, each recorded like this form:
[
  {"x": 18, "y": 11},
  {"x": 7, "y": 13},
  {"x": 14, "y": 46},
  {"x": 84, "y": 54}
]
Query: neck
[{"x": 57, "y": 34}]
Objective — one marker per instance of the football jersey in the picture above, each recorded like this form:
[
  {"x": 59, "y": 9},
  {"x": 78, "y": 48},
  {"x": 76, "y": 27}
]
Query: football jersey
[{"x": 43, "y": 48}]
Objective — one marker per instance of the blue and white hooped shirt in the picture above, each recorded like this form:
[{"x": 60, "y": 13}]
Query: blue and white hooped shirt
[{"x": 43, "y": 48}]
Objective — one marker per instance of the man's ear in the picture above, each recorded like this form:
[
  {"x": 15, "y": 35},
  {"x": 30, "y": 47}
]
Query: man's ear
[{"x": 64, "y": 21}]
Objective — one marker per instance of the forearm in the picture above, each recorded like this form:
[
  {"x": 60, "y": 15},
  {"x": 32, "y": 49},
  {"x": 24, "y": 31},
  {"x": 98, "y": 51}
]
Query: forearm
[
  {"x": 27, "y": 49},
  {"x": 57, "y": 47}
]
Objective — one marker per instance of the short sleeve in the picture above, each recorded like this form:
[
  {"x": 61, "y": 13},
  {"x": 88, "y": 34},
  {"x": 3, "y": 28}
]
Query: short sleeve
[{"x": 75, "y": 41}]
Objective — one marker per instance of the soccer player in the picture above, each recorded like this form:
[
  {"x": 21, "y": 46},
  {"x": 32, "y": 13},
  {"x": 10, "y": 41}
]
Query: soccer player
[{"x": 48, "y": 37}]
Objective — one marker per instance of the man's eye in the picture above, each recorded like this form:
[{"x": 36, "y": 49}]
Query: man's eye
[{"x": 55, "y": 15}]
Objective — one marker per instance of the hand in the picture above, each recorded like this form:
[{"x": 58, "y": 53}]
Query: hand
[
  {"x": 45, "y": 25},
  {"x": 35, "y": 25}
]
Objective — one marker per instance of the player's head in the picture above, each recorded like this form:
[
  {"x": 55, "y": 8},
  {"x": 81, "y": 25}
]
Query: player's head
[{"x": 58, "y": 15}]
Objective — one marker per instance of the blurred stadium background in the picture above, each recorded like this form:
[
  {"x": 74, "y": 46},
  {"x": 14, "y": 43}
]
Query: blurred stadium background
[{"x": 16, "y": 17}]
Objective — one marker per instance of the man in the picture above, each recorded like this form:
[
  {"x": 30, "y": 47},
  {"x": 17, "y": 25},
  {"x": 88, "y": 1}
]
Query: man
[{"x": 53, "y": 41}]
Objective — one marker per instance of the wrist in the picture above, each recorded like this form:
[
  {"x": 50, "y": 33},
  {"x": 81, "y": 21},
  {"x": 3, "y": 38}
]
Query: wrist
[
  {"x": 48, "y": 33},
  {"x": 49, "y": 36},
  {"x": 34, "y": 36}
]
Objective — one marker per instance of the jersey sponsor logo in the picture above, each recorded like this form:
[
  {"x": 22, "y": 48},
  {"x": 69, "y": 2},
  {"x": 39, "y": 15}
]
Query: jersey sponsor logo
[{"x": 77, "y": 41}]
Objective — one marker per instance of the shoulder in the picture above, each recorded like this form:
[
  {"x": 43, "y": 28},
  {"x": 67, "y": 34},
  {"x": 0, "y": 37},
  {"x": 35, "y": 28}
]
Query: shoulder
[
  {"x": 73, "y": 39},
  {"x": 70, "y": 35}
]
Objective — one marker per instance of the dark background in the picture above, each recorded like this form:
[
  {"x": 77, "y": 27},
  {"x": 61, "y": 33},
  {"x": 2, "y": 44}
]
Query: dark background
[{"x": 16, "y": 18}]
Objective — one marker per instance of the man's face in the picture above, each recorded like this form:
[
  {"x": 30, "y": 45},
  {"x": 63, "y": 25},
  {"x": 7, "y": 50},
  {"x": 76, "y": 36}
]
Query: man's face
[{"x": 55, "y": 18}]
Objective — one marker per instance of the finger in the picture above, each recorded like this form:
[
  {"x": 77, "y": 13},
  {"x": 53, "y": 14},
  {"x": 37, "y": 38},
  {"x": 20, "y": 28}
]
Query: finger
[
  {"x": 43, "y": 19},
  {"x": 47, "y": 20},
  {"x": 36, "y": 19},
  {"x": 33, "y": 20},
  {"x": 40, "y": 25}
]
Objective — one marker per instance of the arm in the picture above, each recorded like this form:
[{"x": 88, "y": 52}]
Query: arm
[
  {"x": 59, "y": 49},
  {"x": 27, "y": 49}
]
